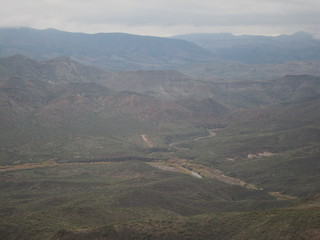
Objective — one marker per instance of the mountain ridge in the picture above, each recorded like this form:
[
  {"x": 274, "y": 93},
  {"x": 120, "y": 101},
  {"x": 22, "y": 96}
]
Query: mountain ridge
[
  {"x": 252, "y": 49},
  {"x": 113, "y": 51}
]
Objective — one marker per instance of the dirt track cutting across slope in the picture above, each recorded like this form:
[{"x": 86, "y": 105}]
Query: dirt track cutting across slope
[
  {"x": 212, "y": 133},
  {"x": 147, "y": 141},
  {"x": 198, "y": 171}
]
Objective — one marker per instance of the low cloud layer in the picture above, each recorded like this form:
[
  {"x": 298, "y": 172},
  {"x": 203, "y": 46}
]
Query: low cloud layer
[{"x": 165, "y": 17}]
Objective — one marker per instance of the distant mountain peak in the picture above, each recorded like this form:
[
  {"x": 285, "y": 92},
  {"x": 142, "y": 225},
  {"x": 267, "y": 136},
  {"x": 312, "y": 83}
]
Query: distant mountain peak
[{"x": 302, "y": 34}]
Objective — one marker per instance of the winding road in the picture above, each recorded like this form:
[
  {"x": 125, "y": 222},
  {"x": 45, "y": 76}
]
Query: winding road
[{"x": 212, "y": 133}]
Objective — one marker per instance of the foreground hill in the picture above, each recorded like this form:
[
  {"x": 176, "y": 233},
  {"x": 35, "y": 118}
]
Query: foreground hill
[
  {"x": 40, "y": 202},
  {"x": 113, "y": 51},
  {"x": 295, "y": 224}
]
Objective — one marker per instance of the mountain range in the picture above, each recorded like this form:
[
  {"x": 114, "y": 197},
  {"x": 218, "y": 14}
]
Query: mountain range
[
  {"x": 120, "y": 51},
  {"x": 62, "y": 104},
  {"x": 226, "y": 47},
  {"x": 113, "y": 51},
  {"x": 167, "y": 149}
]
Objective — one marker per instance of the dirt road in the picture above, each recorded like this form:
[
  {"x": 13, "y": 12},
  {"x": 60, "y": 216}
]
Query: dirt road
[
  {"x": 147, "y": 141},
  {"x": 212, "y": 133}
]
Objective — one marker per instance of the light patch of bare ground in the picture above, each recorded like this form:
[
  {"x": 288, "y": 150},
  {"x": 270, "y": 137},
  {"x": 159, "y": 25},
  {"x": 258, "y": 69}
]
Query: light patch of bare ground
[
  {"x": 149, "y": 143},
  {"x": 196, "y": 170},
  {"x": 263, "y": 154},
  {"x": 230, "y": 159},
  {"x": 251, "y": 156},
  {"x": 281, "y": 196},
  {"x": 163, "y": 166}
]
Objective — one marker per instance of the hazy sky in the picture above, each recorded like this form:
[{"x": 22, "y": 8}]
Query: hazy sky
[{"x": 165, "y": 17}]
